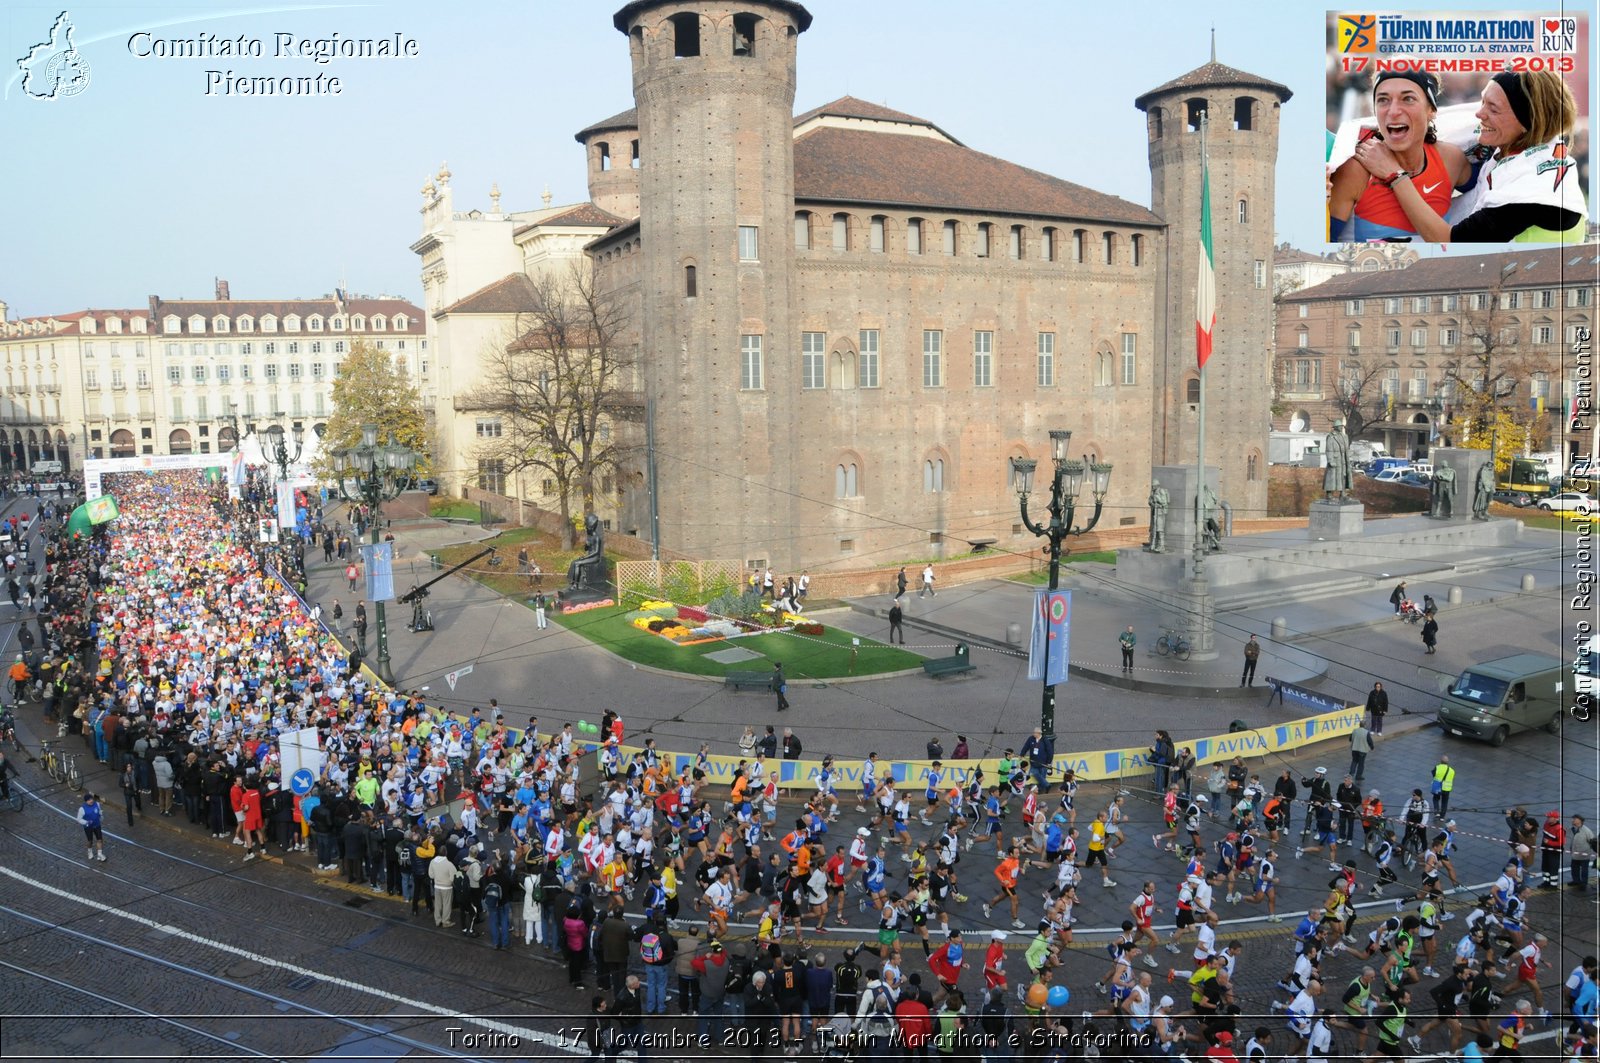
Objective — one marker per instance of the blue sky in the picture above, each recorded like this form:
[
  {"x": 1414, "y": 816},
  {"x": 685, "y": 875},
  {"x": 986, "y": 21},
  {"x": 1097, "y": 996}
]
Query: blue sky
[{"x": 142, "y": 184}]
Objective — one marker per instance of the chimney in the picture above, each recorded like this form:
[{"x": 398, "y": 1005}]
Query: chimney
[{"x": 222, "y": 290}]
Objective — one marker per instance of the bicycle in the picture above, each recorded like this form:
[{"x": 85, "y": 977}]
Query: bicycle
[
  {"x": 8, "y": 730},
  {"x": 51, "y": 760},
  {"x": 1412, "y": 845},
  {"x": 1173, "y": 642}
]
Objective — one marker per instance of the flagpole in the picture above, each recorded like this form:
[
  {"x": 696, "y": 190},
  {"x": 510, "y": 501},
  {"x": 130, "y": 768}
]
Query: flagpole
[{"x": 1200, "y": 437}]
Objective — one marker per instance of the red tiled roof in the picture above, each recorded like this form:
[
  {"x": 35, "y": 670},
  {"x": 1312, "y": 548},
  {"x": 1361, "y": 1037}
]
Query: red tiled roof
[
  {"x": 1214, "y": 74},
  {"x": 281, "y": 308},
  {"x": 72, "y": 322},
  {"x": 582, "y": 214},
  {"x": 861, "y": 166},
  {"x": 1541, "y": 267},
  {"x": 628, "y": 119},
  {"x": 850, "y": 107},
  {"x": 511, "y": 294}
]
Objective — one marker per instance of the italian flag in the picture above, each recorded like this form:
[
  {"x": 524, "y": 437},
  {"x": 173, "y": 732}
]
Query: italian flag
[{"x": 1205, "y": 289}]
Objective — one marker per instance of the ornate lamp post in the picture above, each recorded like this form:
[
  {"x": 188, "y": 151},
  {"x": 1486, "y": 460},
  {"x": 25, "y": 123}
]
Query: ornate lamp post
[
  {"x": 1066, "y": 483},
  {"x": 277, "y": 451},
  {"x": 373, "y": 473}
]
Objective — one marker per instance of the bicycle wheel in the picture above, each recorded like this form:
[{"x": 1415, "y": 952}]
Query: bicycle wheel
[
  {"x": 1163, "y": 647},
  {"x": 74, "y": 780},
  {"x": 1183, "y": 649}
]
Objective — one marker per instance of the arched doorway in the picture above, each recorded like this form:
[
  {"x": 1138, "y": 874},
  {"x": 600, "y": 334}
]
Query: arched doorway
[
  {"x": 227, "y": 439},
  {"x": 179, "y": 442},
  {"x": 122, "y": 443},
  {"x": 1420, "y": 437}
]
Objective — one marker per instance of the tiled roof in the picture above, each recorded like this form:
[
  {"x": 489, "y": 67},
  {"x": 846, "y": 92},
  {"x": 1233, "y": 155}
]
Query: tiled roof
[
  {"x": 628, "y": 119},
  {"x": 69, "y": 324},
  {"x": 850, "y": 107},
  {"x": 1214, "y": 74},
  {"x": 582, "y": 214},
  {"x": 1286, "y": 255},
  {"x": 1544, "y": 267},
  {"x": 511, "y": 294},
  {"x": 861, "y": 166},
  {"x": 280, "y": 308}
]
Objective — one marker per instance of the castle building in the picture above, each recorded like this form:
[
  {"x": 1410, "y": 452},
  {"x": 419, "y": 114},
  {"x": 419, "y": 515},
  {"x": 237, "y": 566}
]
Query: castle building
[{"x": 848, "y": 321}]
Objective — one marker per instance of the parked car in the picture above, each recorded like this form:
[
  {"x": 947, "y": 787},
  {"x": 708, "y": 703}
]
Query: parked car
[
  {"x": 430, "y": 486},
  {"x": 1391, "y": 476},
  {"x": 1412, "y": 478},
  {"x": 1520, "y": 499},
  {"x": 1568, "y": 502}
]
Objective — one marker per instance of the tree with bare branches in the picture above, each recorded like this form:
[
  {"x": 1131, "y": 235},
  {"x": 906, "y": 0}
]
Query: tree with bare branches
[
  {"x": 1358, "y": 395},
  {"x": 557, "y": 381}
]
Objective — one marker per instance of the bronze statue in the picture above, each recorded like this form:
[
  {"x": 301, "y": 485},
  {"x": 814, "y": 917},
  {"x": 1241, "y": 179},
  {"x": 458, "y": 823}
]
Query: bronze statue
[
  {"x": 1442, "y": 493},
  {"x": 1337, "y": 479},
  {"x": 588, "y": 570},
  {"x": 1483, "y": 490},
  {"x": 1159, "y": 501}
]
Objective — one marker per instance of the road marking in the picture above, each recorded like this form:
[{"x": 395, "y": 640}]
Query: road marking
[{"x": 420, "y": 1006}]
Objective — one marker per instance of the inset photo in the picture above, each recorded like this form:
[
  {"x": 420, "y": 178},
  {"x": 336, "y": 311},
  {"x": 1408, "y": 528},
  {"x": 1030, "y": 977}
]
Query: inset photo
[{"x": 1458, "y": 126}]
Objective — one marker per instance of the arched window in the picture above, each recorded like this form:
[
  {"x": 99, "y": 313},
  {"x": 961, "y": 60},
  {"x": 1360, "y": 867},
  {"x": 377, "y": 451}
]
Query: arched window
[
  {"x": 949, "y": 237},
  {"x": 1243, "y": 112},
  {"x": 602, "y": 152},
  {"x": 933, "y": 476},
  {"x": 914, "y": 236},
  {"x": 1195, "y": 108},
  {"x": 1077, "y": 244},
  {"x": 1137, "y": 243},
  {"x": 1252, "y": 470},
  {"x": 846, "y": 480},
  {"x": 690, "y": 288},
  {"x": 985, "y": 231},
  {"x": 1108, "y": 251},
  {"x": 179, "y": 442},
  {"x": 1191, "y": 391},
  {"x": 1016, "y": 247},
  {"x": 685, "y": 35},
  {"x": 1155, "y": 123},
  {"x": 875, "y": 243},
  {"x": 841, "y": 232},
  {"x": 744, "y": 35},
  {"x": 1244, "y": 210},
  {"x": 1103, "y": 370},
  {"x": 1047, "y": 244},
  {"x": 802, "y": 230}
]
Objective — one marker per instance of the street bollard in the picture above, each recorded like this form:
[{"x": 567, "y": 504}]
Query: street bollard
[
  {"x": 1527, "y": 582},
  {"x": 1280, "y": 629},
  {"x": 1013, "y": 634},
  {"x": 1454, "y": 597}
]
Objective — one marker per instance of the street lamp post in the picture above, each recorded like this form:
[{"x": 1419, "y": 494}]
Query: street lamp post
[
  {"x": 1066, "y": 483},
  {"x": 277, "y": 451},
  {"x": 373, "y": 473}
]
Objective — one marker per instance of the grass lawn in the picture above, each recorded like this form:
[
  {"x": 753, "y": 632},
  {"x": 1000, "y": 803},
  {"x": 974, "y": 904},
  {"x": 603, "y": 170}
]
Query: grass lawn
[
  {"x": 453, "y": 507},
  {"x": 1041, "y": 576},
  {"x": 804, "y": 657}
]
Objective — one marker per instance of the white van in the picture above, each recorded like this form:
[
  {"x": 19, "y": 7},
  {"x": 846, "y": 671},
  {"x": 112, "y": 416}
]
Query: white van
[
  {"x": 1363, "y": 451},
  {"x": 46, "y": 468}
]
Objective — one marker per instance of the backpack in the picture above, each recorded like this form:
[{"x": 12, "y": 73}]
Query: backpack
[
  {"x": 650, "y": 948},
  {"x": 492, "y": 892}
]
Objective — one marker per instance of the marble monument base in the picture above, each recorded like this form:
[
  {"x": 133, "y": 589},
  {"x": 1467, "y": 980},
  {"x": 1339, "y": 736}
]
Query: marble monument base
[{"x": 1333, "y": 518}]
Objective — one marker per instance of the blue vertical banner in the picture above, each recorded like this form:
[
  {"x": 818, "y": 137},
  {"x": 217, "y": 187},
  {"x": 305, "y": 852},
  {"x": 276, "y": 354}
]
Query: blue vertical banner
[
  {"x": 379, "y": 560},
  {"x": 285, "y": 492},
  {"x": 1049, "y": 641}
]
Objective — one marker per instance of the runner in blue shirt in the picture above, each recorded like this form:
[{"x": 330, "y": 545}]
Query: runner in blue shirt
[
  {"x": 89, "y": 817},
  {"x": 931, "y": 791}
]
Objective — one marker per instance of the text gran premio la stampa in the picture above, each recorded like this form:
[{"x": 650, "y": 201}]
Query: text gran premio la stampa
[{"x": 319, "y": 51}]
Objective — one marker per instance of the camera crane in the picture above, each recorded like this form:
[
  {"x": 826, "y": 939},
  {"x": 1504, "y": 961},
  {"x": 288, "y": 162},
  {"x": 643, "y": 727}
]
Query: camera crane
[{"x": 421, "y": 618}]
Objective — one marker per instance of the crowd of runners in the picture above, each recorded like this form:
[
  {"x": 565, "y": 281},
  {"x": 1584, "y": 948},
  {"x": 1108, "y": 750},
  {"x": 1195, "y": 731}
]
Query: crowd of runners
[{"x": 782, "y": 916}]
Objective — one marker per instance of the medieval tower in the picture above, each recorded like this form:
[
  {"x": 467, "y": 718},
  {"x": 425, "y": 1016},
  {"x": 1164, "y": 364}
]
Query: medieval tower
[
  {"x": 1242, "y": 147},
  {"x": 714, "y": 87}
]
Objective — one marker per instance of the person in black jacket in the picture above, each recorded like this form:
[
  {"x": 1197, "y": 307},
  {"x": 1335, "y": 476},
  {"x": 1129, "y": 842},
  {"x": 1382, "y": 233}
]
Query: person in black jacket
[
  {"x": 761, "y": 1011},
  {"x": 354, "y": 837},
  {"x": 629, "y": 1010},
  {"x": 600, "y": 1030},
  {"x": 190, "y": 785},
  {"x": 394, "y": 867},
  {"x": 375, "y": 851},
  {"x": 215, "y": 786}
]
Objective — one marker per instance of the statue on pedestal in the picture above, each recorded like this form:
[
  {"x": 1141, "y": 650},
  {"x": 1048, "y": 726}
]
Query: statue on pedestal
[
  {"x": 1442, "y": 493},
  {"x": 588, "y": 570},
  {"x": 1483, "y": 490},
  {"x": 1159, "y": 501},
  {"x": 1336, "y": 478},
  {"x": 1212, "y": 531}
]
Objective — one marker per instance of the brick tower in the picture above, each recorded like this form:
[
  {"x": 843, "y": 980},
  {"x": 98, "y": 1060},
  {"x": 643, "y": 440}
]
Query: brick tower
[
  {"x": 1242, "y": 146},
  {"x": 713, "y": 86}
]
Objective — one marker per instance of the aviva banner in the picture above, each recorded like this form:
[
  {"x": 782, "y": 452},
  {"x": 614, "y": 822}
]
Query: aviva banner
[{"x": 1090, "y": 766}]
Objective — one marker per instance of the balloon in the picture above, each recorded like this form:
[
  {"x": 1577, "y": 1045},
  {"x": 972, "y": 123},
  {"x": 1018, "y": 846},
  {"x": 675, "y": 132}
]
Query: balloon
[
  {"x": 583, "y": 726},
  {"x": 1038, "y": 995},
  {"x": 1058, "y": 996}
]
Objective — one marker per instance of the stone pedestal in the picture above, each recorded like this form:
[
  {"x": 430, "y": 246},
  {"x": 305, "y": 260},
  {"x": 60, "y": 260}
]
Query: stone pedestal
[
  {"x": 1333, "y": 519},
  {"x": 1465, "y": 464},
  {"x": 1181, "y": 482}
]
